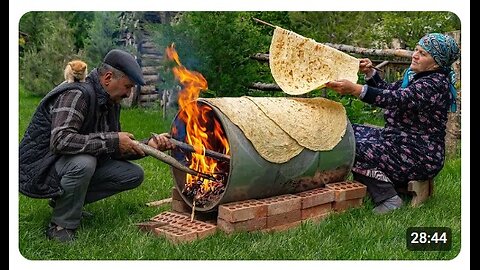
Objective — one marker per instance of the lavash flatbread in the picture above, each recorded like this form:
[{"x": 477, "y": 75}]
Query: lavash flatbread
[
  {"x": 270, "y": 141},
  {"x": 300, "y": 64},
  {"x": 315, "y": 123}
]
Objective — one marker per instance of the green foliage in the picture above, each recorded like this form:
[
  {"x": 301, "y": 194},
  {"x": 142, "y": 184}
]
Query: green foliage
[
  {"x": 352, "y": 28},
  {"x": 42, "y": 65},
  {"x": 33, "y": 25},
  {"x": 80, "y": 22},
  {"x": 101, "y": 38},
  {"x": 27, "y": 103},
  {"x": 371, "y": 29},
  {"x": 218, "y": 45},
  {"x": 411, "y": 26}
]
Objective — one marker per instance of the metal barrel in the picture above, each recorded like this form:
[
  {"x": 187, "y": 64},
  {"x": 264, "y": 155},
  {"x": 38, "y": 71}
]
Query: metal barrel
[{"x": 253, "y": 177}]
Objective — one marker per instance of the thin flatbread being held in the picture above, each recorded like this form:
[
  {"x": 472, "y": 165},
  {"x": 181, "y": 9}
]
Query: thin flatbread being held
[{"x": 300, "y": 65}]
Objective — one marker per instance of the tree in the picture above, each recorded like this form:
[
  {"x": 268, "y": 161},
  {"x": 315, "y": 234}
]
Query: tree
[
  {"x": 352, "y": 28},
  {"x": 371, "y": 29},
  {"x": 33, "y": 25},
  {"x": 50, "y": 47},
  {"x": 80, "y": 22},
  {"x": 218, "y": 45},
  {"x": 411, "y": 26},
  {"x": 101, "y": 36}
]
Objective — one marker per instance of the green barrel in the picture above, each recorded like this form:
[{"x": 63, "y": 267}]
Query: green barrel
[{"x": 252, "y": 177}]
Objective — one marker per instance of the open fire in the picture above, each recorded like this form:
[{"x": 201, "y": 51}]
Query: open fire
[{"x": 203, "y": 131}]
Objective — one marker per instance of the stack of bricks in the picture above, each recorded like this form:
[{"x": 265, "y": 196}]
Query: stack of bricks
[
  {"x": 347, "y": 194},
  {"x": 177, "y": 227},
  {"x": 270, "y": 214}
]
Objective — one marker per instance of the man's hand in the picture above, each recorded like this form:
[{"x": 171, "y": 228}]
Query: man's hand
[
  {"x": 161, "y": 142},
  {"x": 128, "y": 145},
  {"x": 345, "y": 87}
]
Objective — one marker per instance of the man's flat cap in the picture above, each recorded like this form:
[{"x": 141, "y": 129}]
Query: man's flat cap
[{"x": 126, "y": 63}]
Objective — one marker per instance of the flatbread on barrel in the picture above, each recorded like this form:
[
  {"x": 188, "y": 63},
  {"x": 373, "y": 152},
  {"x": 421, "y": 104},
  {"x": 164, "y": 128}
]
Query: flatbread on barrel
[
  {"x": 300, "y": 65},
  {"x": 270, "y": 141},
  {"x": 315, "y": 123}
]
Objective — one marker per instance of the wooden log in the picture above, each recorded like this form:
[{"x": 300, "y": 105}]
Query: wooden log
[
  {"x": 375, "y": 52},
  {"x": 150, "y": 70},
  {"x": 392, "y": 62},
  {"x": 265, "y": 86},
  {"x": 452, "y": 138},
  {"x": 151, "y": 79},
  {"x": 148, "y": 44},
  {"x": 151, "y": 62},
  {"x": 147, "y": 98},
  {"x": 163, "y": 103},
  {"x": 152, "y": 56},
  {"x": 209, "y": 153},
  {"x": 420, "y": 190},
  {"x": 151, "y": 50},
  {"x": 382, "y": 64},
  {"x": 264, "y": 57},
  {"x": 171, "y": 161},
  {"x": 160, "y": 202},
  {"x": 147, "y": 89}
]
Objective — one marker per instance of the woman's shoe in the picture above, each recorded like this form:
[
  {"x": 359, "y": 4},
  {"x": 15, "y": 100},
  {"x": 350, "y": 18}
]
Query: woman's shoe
[{"x": 388, "y": 205}]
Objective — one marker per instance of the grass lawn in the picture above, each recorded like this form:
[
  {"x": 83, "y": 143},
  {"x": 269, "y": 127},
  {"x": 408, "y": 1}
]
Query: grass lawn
[{"x": 357, "y": 234}]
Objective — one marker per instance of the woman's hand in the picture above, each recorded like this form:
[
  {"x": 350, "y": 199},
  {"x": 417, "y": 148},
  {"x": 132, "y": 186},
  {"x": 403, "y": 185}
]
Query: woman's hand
[
  {"x": 345, "y": 87},
  {"x": 366, "y": 67}
]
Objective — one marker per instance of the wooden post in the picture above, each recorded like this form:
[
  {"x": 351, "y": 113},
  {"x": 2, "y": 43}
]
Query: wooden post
[{"x": 452, "y": 138}]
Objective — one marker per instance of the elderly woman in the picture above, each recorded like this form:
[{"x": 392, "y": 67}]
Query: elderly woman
[{"x": 412, "y": 144}]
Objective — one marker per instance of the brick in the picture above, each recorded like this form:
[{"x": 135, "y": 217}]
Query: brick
[
  {"x": 348, "y": 190},
  {"x": 282, "y": 204},
  {"x": 150, "y": 225},
  {"x": 176, "y": 195},
  {"x": 168, "y": 217},
  {"x": 247, "y": 225},
  {"x": 284, "y": 218},
  {"x": 318, "y": 210},
  {"x": 202, "y": 229},
  {"x": 181, "y": 207},
  {"x": 316, "y": 197},
  {"x": 176, "y": 234},
  {"x": 344, "y": 205},
  {"x": 178, "y": 228},
  {"x": 241, "y": 211}
]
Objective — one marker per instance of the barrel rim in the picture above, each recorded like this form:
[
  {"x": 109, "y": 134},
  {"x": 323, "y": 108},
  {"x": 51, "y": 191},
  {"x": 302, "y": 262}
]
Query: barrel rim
[{"x": 189, "y": 201}]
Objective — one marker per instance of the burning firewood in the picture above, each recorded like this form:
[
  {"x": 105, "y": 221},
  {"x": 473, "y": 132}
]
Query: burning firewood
[
  {"x": 204, "y": 145},
  {"x": 208, "y": 152},
  {"x": 171, "y": 161}
]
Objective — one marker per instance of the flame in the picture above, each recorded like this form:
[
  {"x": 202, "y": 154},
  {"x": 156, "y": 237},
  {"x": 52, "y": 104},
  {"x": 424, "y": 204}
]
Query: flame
[{"x": 198, "y": 120}]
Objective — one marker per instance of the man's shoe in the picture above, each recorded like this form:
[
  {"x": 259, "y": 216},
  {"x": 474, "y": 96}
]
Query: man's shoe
[
  {"x": 52, "y": 203},
  {"x": 388, "y": 205},
  {"x": 60, "y": 234}
]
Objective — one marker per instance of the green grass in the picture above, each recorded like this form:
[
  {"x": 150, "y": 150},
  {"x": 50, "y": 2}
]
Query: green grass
[{"x": 357, "y": 234}]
